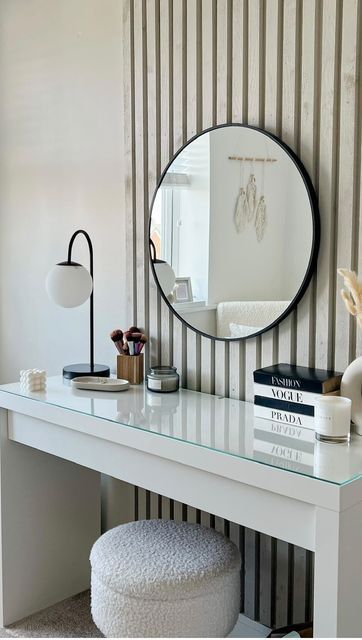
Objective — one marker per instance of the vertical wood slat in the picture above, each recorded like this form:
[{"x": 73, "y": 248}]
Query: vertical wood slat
[
  {"x": 166, "y": 136},
  {"x": 193, "y": 92},
  {"x": 309, "y": 122},
  {"x": 288, "y": 65},
  {"x": 222, "y": 98},
  {"x": 327, "y": 183},
  {"x": 289, "y": 133},
  {"x": 179, "y": 137},
  {"x": 141, "y": 161},
  {"x": 208, "y": 93},
  {"x": 153, "y": 353},
  {"x": 357, "y": 257},
  {"x": 129, "y": 151},
  {"x": 252, "y": 540},
  {"x": 346, "y": 175}
]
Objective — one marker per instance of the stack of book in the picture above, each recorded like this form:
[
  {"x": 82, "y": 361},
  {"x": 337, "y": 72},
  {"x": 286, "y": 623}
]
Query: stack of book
[{"x": 287, "y": 394}]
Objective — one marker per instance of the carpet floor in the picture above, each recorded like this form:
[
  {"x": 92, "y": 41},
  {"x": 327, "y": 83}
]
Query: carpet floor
[
  {"x": 71, "y": 618},
  {"x": 68, "y": 619}
]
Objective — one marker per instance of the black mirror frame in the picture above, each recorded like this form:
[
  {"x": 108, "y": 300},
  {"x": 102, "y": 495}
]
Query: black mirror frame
[{"x": 315, "y": 239}]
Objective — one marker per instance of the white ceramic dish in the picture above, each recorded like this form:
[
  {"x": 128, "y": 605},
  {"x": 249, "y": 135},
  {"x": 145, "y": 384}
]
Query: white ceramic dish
[{"x": 93, "y": 383}]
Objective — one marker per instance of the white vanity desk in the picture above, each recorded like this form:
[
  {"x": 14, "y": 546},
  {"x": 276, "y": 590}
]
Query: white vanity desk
[{"x": 201, "y": 450}]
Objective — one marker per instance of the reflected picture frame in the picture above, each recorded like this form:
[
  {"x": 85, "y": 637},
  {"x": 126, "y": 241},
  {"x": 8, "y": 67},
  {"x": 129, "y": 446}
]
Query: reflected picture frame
[{"x": 183, "y": 290}]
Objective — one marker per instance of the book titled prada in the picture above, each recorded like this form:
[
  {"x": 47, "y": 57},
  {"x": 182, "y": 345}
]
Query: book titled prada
[
  {"x": 290, "y": 376},
  {"x": 284, "y": 416}
]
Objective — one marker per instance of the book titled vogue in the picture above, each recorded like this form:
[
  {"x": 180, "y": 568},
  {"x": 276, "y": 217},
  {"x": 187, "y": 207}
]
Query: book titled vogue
[{"x": 280, "y": 394}]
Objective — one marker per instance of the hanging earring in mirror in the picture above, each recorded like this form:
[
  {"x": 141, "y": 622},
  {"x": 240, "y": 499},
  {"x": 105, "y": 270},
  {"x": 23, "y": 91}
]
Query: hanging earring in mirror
[
  {"x": 251, "y": 196},
  {"x": 241, "y": 211},
  {"x": 260, "y": 219}
]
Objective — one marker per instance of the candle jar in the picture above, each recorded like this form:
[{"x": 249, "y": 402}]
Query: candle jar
[
  {"x": 163, "y": 379},
  {"x": 332, "y": 417}
]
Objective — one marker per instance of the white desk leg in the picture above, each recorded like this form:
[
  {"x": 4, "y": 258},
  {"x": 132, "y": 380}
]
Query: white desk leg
[
  {"x": 49, "y": 518},
  {"x": 338, "y": 573}
]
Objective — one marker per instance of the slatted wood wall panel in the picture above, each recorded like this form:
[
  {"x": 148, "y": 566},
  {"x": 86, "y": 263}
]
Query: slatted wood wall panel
[{"x": 291, "y": 67}]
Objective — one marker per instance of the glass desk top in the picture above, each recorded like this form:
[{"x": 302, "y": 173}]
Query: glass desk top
[{"x": 225, "y": 425}]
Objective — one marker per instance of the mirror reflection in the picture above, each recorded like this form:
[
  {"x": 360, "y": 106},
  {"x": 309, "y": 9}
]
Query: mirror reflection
[{"x": 233, "y": 218}]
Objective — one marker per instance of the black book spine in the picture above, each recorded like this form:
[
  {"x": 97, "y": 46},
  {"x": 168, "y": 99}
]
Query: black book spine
[
  {"x": 288, "y": 383},
  {"x": 284, "y": 405}
]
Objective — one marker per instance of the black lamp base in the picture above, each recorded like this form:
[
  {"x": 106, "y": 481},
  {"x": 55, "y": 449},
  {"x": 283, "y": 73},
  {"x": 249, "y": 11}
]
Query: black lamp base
[{"x": 75, "y": 370}]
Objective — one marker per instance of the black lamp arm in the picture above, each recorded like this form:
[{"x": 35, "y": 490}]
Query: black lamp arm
[
  {"x": 154, "y": 258},
  {"x": 91, "y": 299},
  {"x": 152, "y": 250}
]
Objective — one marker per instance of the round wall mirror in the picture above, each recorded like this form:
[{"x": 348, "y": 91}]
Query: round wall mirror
[{"x": 234, "y": 232}]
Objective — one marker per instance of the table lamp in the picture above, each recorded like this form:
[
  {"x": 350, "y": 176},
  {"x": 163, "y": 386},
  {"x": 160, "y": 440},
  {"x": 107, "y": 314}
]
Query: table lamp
[{"x": 69, "y": 284}]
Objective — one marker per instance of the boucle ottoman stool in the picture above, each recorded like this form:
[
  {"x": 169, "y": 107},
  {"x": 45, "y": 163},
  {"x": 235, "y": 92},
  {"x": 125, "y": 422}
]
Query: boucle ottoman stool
[{"x": 159, "y": 578}]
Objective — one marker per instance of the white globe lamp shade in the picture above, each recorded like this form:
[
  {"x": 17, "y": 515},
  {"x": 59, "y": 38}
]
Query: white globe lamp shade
[
  {"x": 69, "y": 285},
  {"x": 165, "y": 276}
]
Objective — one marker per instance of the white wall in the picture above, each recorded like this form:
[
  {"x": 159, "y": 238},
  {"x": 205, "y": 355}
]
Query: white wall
[{"x": 60, "y": 170}]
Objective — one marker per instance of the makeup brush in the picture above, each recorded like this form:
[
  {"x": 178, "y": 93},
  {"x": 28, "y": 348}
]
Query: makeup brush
[
  {"x": 134, "y": 330},
  {"x": 141, "y": 343},
  {"x": 132, "y": 339},
  {"x": 117, "y": 337}
]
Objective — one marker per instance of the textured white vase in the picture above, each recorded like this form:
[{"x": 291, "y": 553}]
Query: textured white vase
[{"x": 351, "y": 387}]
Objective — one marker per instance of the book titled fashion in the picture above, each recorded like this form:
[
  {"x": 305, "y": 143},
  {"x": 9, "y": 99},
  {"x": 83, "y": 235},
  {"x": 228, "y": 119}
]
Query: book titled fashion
[
  {"x": 285, "y": 417},
  {"x": 289, "y": 376}
]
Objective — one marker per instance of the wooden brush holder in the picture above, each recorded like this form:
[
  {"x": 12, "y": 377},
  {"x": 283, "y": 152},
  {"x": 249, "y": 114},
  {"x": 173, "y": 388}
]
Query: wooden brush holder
[{"x": 130, "y": 368}]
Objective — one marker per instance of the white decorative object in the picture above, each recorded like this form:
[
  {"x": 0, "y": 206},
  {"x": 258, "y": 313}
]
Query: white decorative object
[
  {"x": 158, "y": 578},
  {"x": 332, "y": 417},
  {"x": 352, "y": 294},
  {"x": 260, "y": 215},
  {"x": 32, "y": 380},
  {"x": 351, "y": 387},
  {"x": 69, "y": 285},
  {"x": 241, "y": 211},
  {"x": 93, "y": 383},
  {"x": 183, "y": 290},
  {"x": 260, "y": 219},
  {"x": 351, "y": 383},
  {"x": 251, "y": 196}
]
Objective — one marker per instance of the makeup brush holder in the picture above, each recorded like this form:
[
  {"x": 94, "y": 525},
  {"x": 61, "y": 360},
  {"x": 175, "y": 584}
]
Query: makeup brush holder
[{"x": 130, "y": 368}]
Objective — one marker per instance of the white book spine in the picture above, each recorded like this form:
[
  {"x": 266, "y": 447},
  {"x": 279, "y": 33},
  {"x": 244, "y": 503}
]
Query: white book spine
[
  {"x": 299, "y": 434},
  {"x": 288, "y": 395},
  {"x": 285, "y": 417}
]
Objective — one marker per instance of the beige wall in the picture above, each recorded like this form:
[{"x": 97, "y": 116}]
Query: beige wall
[
  {"x": 60, "y": 170},
  {"x": 288, "y": 66}
]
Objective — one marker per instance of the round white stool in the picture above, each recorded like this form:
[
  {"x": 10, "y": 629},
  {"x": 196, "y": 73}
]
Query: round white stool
[{"x": 159, "y": 578}]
